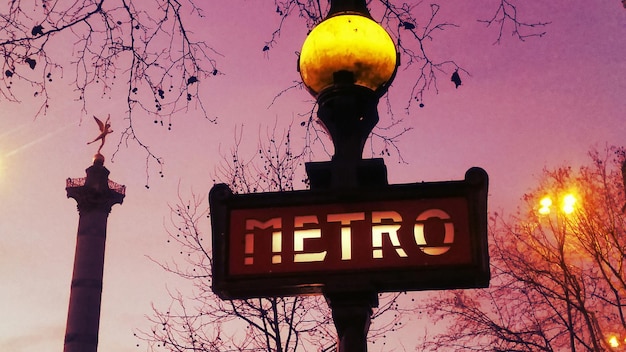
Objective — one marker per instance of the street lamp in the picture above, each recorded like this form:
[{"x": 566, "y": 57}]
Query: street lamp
[
  {"x": 615, "y": 342},
  {"x": 567, "y": 207},
  {"x": 347, "y": 63},
  {"x": 568, "y": 204},
  {"x": 329, "y": 239}
]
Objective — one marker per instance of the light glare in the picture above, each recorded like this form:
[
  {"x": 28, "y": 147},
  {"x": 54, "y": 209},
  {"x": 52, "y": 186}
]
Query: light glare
[
  {"x": 568, "y": 203},
  {"x": 613, "y": 342},
  {"x": 545, "y": 203}
]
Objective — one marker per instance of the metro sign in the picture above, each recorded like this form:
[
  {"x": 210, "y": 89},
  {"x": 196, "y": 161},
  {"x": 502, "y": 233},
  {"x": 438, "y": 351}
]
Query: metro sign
[{"x": 393, "y": 238}]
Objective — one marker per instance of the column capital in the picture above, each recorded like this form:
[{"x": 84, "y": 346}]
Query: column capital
[{"x": 95, "y": 191}]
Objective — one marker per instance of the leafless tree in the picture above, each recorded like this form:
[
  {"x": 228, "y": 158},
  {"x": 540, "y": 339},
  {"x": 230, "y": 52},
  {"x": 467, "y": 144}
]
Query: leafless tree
[
  {"x": 144, "y": 49},
  {"x": 413, "y": 25},
  {"x": 199, "y": 320},
  {"x": 146, "y": 53},
  {"x": 559, "y": 279}
]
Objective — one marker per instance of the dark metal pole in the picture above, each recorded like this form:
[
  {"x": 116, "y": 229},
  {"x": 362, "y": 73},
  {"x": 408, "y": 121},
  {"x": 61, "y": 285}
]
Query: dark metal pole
[
  {"x": 348, "y": 6},
  {"x": 352, "y": 312},
  {"x": 349, "y": 113}
]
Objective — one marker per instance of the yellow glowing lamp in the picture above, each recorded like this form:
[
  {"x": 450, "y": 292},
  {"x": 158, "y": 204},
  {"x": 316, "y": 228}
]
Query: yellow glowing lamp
[
  {"x": 568, "y": 203},
  {"x": 613, "y": 342},
  {"x": 545, "y": 203},
  {"x": 348, "y": 43}
]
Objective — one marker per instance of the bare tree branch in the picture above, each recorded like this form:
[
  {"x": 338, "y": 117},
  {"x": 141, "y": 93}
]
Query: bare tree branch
[
  {"x": 558, "y": 279},
  {"x": 199, "y": 321},
  {"x": 145, "y": 46},
  {"x": 507, "y": 14}
]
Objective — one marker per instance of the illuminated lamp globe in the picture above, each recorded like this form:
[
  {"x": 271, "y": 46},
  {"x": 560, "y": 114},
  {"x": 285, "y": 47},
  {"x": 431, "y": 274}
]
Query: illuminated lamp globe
[{"x": 348, "y": 43}]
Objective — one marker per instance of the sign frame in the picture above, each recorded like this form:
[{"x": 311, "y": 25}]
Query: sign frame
[{"x": 475, "y": 274}]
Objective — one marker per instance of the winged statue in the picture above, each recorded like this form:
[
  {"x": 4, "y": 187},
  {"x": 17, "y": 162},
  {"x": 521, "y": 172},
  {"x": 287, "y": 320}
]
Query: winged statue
[{"x": 105, "y": 128}]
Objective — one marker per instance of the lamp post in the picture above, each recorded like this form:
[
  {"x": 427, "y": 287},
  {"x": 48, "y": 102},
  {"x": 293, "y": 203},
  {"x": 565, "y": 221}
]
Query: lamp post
[
  {"x": 329, "y": 240},
  {"x": 566, "y": 207},
  {"x": 347, "y": 63}
]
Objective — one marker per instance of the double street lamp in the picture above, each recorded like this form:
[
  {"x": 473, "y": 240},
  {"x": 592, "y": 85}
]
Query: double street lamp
[{"x": 568, "y": 204}]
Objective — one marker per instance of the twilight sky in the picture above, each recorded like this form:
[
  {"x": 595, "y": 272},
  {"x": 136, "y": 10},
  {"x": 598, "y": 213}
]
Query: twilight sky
[{"x": 527, "y": 105}]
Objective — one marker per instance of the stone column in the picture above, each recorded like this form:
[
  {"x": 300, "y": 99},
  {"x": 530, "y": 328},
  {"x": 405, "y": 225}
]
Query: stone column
[{"x": 95, "y": 199}]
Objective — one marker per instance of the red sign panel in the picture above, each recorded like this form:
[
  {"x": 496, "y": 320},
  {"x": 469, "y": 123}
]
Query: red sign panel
[
  {"x": 391, "y": 238},
  {"x": 335, "y": 237}
]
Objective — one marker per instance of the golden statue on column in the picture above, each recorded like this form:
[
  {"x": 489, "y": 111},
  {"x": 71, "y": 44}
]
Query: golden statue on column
[{"x": 105, "y": 128}]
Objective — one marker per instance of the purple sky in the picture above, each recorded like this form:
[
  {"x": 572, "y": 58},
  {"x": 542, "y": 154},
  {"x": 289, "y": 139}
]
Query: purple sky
[{"x": 543, "y": 102}]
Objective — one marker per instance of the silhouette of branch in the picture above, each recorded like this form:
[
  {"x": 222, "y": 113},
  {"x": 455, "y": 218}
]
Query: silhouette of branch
[
  {"x": 507, "y": 13},
  {"x": 145, "y": 46},
  {"x": 413, "y": 28},
  {"x": 557, "y": 278}
]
